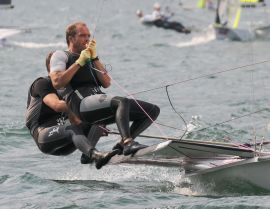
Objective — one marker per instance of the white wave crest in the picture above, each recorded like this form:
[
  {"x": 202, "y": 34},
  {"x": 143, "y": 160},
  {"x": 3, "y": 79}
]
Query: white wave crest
[
  {"x": 6, "y": 32},
  {"x": 208, "y": 36},
  {"x": 32, "y": 45}
]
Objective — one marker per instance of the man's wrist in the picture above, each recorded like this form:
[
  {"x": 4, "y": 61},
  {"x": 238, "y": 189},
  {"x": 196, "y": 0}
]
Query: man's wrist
[
  {"x": 96, "y": 58},
  {"x": 80, "y": 64}
]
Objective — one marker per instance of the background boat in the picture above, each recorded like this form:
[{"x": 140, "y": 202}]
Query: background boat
[{"x": 6, "y": 4}]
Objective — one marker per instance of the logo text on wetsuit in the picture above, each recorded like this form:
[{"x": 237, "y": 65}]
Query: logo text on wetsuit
[
  {"x": 61, "y": 121},
  {"x": 55, "y": 130}
]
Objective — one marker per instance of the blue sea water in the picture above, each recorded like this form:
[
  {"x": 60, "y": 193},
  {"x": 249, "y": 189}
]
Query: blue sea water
[{"x": 140, "y": 58}]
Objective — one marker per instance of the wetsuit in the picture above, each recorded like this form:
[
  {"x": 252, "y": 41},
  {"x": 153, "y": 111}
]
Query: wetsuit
[
  {"x": 177, "y": 26},
  {"x": 85, "y": 98},
  {"x": 48, "y": 128}
]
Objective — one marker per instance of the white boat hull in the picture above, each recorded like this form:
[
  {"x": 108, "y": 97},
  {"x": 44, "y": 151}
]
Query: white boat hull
[
  {"x": 254, "y": 171},
  {"x": 263, "y": 33},
  {"x": 206, "y": 162},
  {"x": 233, "y": 34}
]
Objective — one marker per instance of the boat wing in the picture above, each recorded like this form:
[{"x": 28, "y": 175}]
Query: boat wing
[
  {"x": 147, "y": 152},
  {"x": 172, "y": 152},
  {"x": 202, "y": 149}
]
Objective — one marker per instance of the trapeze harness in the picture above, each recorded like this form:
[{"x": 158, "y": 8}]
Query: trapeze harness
[
  {"x": 48, "y": 127},
  {"x": 39, "y": 115}
]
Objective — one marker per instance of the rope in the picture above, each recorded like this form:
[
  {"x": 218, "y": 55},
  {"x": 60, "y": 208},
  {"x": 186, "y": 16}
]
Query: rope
[
  {"x": 202, "y": 129},
  {"x": 132, "y": 97},
  {"x": 252, "y": 105},
  {"x": 97, "y": 19},
  {"x": 226, "y": 121},
  {"x": 122, "y": 88},
  {"x": 180, "y": 82},
  {"x": 202, "y": 76},
  {"x": 177, "y": 113},
  {"x": 185, "y": 131}
]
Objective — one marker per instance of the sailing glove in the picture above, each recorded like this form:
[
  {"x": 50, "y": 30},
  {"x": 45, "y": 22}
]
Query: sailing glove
[
  {"x": 85, "y": 57},
  {"x": 92, "y": 48}
]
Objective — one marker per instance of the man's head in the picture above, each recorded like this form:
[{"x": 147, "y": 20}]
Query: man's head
[
  {"x": 139, "y": 13},
  {"x": 77, "y": 36},
  {"x": 48, "y": 59},
  {"x": 157, "y": 6}
]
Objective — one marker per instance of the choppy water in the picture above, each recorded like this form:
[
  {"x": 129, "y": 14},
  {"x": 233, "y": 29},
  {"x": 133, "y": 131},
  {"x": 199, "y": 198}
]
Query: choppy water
[{"x": 141, "y": 58}]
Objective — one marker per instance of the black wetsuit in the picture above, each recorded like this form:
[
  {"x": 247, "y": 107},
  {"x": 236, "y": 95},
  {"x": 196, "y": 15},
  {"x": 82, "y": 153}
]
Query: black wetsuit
[
  {"x": 92, "y": 105},
  {"x": 48, "y": 127},
  {"x": 177, "y": 26}
]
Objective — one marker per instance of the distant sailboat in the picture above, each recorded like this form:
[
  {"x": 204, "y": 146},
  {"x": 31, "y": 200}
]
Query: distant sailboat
[
  {"x": 6, "y": 31},
  {"x": 252, "y": 3},
  {"x": 228, "y": 13},
  {"x": 6, "y": 4}
]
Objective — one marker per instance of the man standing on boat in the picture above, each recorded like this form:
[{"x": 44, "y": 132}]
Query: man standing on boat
[{"x": 80, "y": 74}]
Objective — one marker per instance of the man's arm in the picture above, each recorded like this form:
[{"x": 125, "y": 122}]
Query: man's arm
[
  {"x": 73, "y": 118},
  {"x": 61, "y": 78},
  {"x": 103, "y": 77},
  {"x": 52, "y": 101},
  {"x": 59, "y": 75}
]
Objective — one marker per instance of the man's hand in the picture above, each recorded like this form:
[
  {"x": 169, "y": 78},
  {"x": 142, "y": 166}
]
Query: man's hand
[
  {"x": 73, "y": 118},
  {"x": 92, "y": 48},
  {"x": 85, "y": 56}
]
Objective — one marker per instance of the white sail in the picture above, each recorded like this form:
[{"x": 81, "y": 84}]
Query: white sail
[
  {"x": 227, "y": 20},
  {"x": 229, "y": 12}
]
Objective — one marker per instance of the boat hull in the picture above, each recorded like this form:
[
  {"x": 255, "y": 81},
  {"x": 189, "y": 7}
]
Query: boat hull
[
  {"x": 263, "y": 33},
  {"x": 254, "y": 171},
  {"x": 233, "y": 34}
]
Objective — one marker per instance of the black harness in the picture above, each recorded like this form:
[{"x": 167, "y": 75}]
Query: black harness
[{"x": 84, "y": 83}]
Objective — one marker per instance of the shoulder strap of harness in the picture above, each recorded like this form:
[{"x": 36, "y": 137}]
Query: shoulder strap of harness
[{"x": 29, "y": 90}]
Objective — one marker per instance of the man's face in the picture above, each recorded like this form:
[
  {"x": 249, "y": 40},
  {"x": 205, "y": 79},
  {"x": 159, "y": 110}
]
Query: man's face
[{"x": 81, "y": 39}]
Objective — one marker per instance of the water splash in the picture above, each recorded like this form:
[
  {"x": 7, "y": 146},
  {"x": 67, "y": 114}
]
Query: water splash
[{"x": 204, "y": 38}]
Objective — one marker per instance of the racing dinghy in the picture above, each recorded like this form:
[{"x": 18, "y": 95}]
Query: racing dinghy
[
  {"x": 228, "y": 13},
  {"x": 6, "y": 4},
  {"x": 206, "y": 162}
]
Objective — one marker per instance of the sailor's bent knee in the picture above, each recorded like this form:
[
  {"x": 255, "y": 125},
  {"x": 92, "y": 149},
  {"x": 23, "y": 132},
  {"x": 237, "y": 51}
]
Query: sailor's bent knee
[
  {"x": 124, "y": 101},
  {"x": 120, "y": 101},
  {"x": 155, "y": 112}
]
